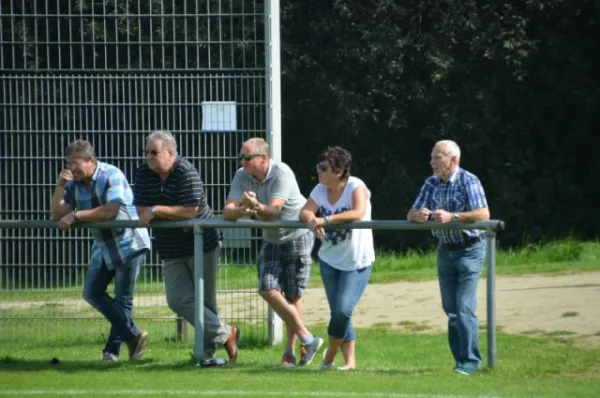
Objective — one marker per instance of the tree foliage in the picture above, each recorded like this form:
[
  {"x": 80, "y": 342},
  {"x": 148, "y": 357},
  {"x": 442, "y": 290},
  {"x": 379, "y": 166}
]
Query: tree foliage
[{"x": 514, "y": 83}]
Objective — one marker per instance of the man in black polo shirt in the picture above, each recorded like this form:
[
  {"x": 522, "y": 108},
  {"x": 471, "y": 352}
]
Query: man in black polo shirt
[{"x": 168, "y": 187}]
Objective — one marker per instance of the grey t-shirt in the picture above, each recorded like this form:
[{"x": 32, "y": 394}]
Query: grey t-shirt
[{"x": 280, "y": 183}]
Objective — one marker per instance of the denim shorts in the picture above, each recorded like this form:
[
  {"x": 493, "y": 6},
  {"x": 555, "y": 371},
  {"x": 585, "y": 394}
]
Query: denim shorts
[{"x": 286, "y": 266}]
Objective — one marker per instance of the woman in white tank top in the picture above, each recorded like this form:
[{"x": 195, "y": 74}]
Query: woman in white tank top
[{"x": 346, "y": 255}]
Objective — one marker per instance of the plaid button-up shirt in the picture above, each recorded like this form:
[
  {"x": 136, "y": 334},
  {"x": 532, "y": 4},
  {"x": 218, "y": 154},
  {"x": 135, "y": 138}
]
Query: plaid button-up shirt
[
  {"x": 114, "y": 246},
  {"x": 463, "y": 192}
]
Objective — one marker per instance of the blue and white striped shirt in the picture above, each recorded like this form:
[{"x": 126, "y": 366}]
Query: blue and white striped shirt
[
  {"x": 114, "y": 246},
  {"x": 463, "y": 192}
]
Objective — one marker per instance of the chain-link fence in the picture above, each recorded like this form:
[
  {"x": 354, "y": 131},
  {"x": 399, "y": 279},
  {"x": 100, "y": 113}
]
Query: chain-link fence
[{"x": 110, "y": 72}]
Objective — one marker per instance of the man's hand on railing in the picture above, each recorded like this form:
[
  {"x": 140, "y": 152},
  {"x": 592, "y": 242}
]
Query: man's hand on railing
[
  {"x": 419, "y": 215},
  {"x": 442, "y": 216},
  {"x": 65, "y": 222},
  {"x": 146, "y": 216}
]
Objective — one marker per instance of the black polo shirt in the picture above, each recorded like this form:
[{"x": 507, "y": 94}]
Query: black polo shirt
[{"x": 183, "y": 187}]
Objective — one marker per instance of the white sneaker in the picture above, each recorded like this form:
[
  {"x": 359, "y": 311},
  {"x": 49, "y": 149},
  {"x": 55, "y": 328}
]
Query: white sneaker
[
  {"x": 212, "y": 361},
  {"x": 109, "y": 358}
]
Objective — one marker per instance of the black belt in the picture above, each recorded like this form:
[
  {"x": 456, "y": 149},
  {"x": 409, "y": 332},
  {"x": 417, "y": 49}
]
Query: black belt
[{"x": 461, "y": 245}]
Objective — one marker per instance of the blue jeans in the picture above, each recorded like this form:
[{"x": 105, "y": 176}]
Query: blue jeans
[
  {"x": 459, "y": 273},
  {"x": 118, "y": 310},
  {"x": 343, "y": 290}
]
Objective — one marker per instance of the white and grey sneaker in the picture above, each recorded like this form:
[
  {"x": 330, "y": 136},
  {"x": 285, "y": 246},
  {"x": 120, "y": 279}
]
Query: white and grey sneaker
[
  {"x": 108, "y": 357},
  {"x": 212, "y": 361},
  {"x": 308, "y": 351}
]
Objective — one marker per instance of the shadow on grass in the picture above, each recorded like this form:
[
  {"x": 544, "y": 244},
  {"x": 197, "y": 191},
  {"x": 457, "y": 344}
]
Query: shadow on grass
[
  {"x": 10, "y": 364},
  {"x": 314, "y": 368}
]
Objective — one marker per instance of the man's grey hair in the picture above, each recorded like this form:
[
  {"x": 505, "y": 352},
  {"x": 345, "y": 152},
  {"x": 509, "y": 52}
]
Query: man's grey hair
[
  {"x": 261, "y": 146},
  {"x": 451, "y": 148},
  {"x": 80, "y": 148},
  {"x": 166, "y": 137}
]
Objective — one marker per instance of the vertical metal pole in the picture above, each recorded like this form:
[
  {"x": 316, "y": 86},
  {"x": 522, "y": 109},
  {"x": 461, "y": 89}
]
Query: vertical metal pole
[
  {"x": 273, "y": 77},
  {"x": 199, "y": 293},
  {"x": 491, "y": 297},
  {"x": 273, "y": 84}
]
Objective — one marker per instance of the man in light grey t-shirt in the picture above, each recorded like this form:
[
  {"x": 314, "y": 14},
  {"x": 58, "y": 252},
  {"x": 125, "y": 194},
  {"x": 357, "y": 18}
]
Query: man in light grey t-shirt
[{"x": 268, "y": 189}]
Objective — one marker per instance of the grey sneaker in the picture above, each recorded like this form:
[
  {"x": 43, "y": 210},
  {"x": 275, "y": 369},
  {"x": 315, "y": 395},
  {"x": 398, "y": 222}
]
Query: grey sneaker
[
  {"x": 308, "y": 351},
  {"x": 288, "y": 360},
  {"x": 466, "y": 368},
  {"x": 212, "y": 361},
  {"x": 108, "y": 357}
]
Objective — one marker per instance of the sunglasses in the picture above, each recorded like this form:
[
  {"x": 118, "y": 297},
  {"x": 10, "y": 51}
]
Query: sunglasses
[
  {"x": 154, "y": 152},
  {"x": 323, "y": 167},
  {"x": 245, "y": 157}
]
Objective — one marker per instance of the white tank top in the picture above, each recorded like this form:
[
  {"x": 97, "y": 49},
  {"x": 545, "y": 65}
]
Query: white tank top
[{"x": 345, "y": 249}]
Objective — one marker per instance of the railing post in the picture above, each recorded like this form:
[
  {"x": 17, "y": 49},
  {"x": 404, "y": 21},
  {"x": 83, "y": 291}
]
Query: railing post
[
  {"x": 491, "y": 296},
  {"x": 275, "y": 327},
  {"x": 182, "y": 329},
  {"x": 199, "y": 293}
]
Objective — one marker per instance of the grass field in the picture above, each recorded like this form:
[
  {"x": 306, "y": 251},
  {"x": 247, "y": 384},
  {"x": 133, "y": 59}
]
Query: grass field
[{"x": 391, "y": 364}]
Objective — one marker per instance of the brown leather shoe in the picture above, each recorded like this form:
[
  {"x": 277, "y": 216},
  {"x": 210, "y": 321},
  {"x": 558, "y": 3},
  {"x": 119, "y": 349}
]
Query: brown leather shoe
[
  {"x": 137, "y": 346},
  {"x": 231, "y": 345}
]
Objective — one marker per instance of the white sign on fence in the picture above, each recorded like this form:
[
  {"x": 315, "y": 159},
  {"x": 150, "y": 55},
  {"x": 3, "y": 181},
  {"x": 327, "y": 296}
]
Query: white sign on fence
[{"x": 219, "y": 116}]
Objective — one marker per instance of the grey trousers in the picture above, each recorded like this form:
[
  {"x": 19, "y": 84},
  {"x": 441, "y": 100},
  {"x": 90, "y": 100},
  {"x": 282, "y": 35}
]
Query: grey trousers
[{"x": 178, "y": 275}]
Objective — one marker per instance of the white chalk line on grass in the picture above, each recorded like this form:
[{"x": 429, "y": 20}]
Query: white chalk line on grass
[{"x": 238, "y": 393}]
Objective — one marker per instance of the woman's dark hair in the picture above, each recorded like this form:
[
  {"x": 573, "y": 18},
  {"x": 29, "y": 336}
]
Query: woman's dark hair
[{"x": 338, "y": 158}]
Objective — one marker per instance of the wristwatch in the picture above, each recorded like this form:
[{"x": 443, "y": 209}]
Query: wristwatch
[
  {"x": 327, "y": 220},
  {"x": 154, "y": 210},
  {"x": 455, "y": 217},
  {"x": 75, "y": 215}
]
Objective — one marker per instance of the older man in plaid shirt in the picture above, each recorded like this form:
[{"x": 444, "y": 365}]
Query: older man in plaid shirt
[
  {"x": 91, "y": 191},
  {"x": 454, "y": 194}
]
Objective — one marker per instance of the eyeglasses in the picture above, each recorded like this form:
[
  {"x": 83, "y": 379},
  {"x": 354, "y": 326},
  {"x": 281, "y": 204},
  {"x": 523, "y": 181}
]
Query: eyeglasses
[
  {"x": 154, "y": 152},
  {"x": 323, "y": 167},
  {"x": 243, "y": 156}
]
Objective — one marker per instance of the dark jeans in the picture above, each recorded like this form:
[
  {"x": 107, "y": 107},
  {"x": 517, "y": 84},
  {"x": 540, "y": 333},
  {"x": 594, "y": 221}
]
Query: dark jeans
[{"x": 118, "y": 310}]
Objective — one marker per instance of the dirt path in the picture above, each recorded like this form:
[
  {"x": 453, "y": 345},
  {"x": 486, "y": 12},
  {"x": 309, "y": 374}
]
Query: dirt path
[{"x": 565, "y": 305}]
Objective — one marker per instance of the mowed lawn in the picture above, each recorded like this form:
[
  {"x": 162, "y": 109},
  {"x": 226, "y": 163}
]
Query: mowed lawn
[{"x": 391, "y": 365}]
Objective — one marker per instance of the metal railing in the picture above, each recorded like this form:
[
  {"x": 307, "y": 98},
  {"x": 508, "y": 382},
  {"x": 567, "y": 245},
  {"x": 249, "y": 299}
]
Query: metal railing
[{"x": 490, "y": 227}]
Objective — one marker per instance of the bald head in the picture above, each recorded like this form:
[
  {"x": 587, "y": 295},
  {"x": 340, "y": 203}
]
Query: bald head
[
  {"x": 448, "y": 148},
  {"x": 445, "y": 157},
  {"x": 256, "y": 146}
]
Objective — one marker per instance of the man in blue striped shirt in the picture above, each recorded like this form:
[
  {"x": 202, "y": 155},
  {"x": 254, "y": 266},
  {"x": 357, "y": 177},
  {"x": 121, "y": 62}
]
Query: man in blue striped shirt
[
  {"x": 91, "y": 191},
  {"x": 454, "y": 194}
]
